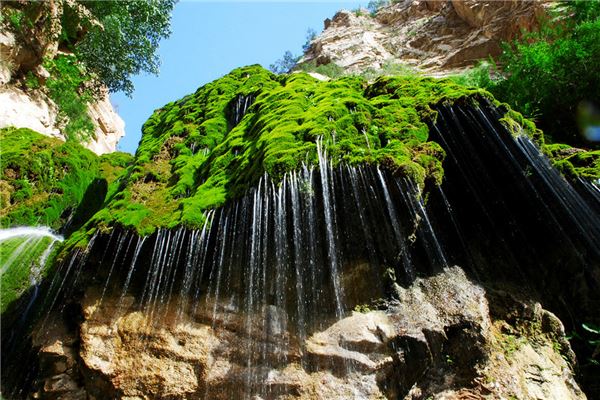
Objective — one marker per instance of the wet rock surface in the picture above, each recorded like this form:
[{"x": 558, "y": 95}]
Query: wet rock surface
[{"x": 442, "y": 337}]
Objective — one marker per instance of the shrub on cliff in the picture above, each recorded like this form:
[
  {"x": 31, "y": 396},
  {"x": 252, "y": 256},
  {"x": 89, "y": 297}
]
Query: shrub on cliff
[
  {"x": 121, "y": 38},
  {"x": 551, "y": 75}
]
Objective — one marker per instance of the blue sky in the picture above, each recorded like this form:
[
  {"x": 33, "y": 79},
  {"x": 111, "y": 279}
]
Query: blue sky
[{"x": 210, "y": 39}]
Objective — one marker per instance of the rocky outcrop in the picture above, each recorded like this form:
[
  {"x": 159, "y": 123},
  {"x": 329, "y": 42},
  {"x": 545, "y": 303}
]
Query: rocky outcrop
[
  {"x": 436, "y": 37},
  {"x": 28, "y": 110},
  {"x": 109, "y": 126},
  {"x": 443, "y": 337},
  {"x": 22, "y": 106}
]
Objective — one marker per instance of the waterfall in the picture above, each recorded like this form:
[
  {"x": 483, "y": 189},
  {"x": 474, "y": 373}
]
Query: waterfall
[
  {"x": 511, "y": 216},
  {"x": 27, "y": 248},
  {"x": 292, "y": 257},
  {"x": 240, "y": 106},
  {"x": 286, "y": 260}
]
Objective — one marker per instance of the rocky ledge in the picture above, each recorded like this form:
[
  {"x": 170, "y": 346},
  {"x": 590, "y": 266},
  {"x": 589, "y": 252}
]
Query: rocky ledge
[{"x": 27, "y": 105}]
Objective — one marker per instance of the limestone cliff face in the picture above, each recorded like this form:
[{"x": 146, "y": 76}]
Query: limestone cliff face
[
  {"x": 22, "y": 106},
  {"x": 436, "y": 37},
  {"x": 440, "y": 339}
]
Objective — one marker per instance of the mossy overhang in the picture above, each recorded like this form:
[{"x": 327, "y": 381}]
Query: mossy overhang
[{"x": 195, "y": 153}]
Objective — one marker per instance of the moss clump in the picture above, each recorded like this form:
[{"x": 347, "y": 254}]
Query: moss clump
[
  {"x": 43, "y": 180},
  {"x": 573, "y": 162},
  {"x": 196, "y": 153}
]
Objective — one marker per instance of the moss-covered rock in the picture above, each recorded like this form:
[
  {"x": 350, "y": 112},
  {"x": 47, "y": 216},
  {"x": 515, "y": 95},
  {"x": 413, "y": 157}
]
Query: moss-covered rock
[
  {"x": 43, "y": 180},
  {"x": 198, "y": 152},
  {"x": 573, "y": 162}
]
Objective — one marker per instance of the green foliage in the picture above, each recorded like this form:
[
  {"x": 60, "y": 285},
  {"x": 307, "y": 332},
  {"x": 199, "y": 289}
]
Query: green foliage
[
  {"x": 358, "y": 12},
  {"x": 478, "y": 76},
  {"x": 390, "y": 68},
  {"x": 15, "y": 19},
  {"x": 195, "y": 153},
  {"x": 125, "y": 41},
  {"x": 285, "y": 64},
  {"x": 31, "y": 81},
  {"x": 41, "y": 178},
  {"x": 331, "y": 70},
  {"x": 573, "y": 162},
  {"x": 376, "y": 5},
  {"x": 112, "y": 39},
  {"x": 311, "y": 34},
  {"x": 66, "y": 87},
  {"x": 362, "y": 308},
  {"x": 289, "y": 61},
  {"x": 547, "y": 74}
]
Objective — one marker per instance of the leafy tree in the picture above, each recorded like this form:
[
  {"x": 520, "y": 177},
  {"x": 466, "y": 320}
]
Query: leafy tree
[
  {"x": 284, "y": 64},
  {"x": 311, "y": 34},
  {"x": 376, "y": 5},
  {"x": 551, "y": 74},
  {"x": 120, "y": 38}
]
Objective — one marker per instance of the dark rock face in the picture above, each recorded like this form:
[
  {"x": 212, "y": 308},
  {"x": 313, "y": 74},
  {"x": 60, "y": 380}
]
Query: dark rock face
[{"x": 517, "y": 219}]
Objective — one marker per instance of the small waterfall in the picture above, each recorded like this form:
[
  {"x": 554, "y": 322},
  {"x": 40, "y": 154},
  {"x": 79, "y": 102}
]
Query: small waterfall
[
  {"x": 514, "y": 217},
  {"x": 281, "y": 263},
  {"x": 24, "y": 255},
  {"x": 240, "y": 106},
  {"x": 27, "y": 248},
  {"x": 330, "y": 224}
]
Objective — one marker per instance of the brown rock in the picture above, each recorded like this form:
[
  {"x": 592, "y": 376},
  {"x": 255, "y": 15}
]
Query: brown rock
[
  {"x": 435, "y": 37},
  {"x": 435, "y": 340}
]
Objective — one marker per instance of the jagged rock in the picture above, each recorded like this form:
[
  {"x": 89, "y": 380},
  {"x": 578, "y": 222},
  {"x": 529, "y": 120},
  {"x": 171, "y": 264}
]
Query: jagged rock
[
  {"x": 110, "y": 127},
  {"x": 436, "y": 37},
  {"x": 7, "y": 46},
  {"x": 33, "y": 109},
  {"x": 444, "y": 337}
]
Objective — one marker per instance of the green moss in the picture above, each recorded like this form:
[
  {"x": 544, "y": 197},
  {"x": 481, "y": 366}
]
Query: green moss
[
  {"x": 194, "y": 157},
  {"x": 574, "y": 162},
  {"x": 42, "y": 178},
  {"x": 66, "y": 86}
]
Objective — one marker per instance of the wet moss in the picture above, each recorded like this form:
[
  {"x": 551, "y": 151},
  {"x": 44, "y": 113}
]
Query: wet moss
[
  {"x": 43, "y": 180},
  {"x": 18, "y": 258},
  {"x": 197, "y": 153},
  {"x": 573, "y": 162}
]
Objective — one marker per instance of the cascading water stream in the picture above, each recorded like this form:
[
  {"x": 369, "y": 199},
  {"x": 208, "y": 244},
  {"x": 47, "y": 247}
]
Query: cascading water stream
[
  {"x": 30, "y": 238},
  {"x": 283, "y": 259},
  {"x": 515, "y": 217},
  {"x": 293, "y": 257}
]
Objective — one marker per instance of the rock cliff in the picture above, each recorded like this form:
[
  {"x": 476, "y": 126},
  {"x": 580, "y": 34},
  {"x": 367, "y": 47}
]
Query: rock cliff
[
  {"x": 438, "y": 340},
  {"x": 436, "y": 37},
  {"x": 24, "y": 101}
]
